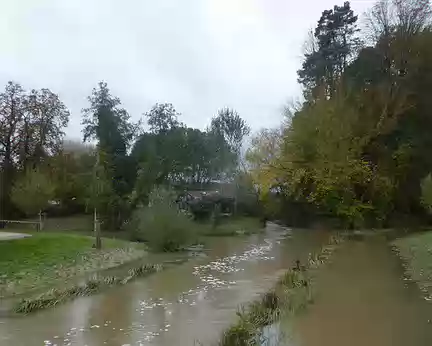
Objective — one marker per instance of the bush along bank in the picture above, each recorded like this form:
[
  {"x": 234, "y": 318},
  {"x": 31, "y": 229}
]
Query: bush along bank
[
  {"x": 55, "y": 296},
  {"x": 291, "y": 294}
]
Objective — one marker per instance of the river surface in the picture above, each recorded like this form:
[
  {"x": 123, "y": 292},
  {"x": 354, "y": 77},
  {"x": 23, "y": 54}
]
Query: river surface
[
  {"x": 188, "y": 304},
  {"x": 363, "y": 299}
]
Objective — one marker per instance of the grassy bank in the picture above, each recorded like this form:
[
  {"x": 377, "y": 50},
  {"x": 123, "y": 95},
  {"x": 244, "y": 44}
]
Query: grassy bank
[
  {"x": 38, "y": 262},
  {"x": 55, "y": 297},
  {"x": 416, "y": 253},
  {"x": 232, "y": 226},
  {"x": 46, "y": 258},
  {"x": 291, "y": 294}
]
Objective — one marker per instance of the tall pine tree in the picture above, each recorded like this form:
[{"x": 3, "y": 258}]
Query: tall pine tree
[{"x": 336, "y": 41}]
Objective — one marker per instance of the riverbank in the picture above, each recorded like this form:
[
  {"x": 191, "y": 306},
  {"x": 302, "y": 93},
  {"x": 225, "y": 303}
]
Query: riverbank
[
  {"x": 292, "y": 293},
  {"x": 55, "y": 296},
  {"x": 416, "y": 253},
  {"x": 44, "y": 259}
]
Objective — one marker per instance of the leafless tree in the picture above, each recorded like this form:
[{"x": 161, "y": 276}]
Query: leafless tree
[{"x": 407, "y": 17}]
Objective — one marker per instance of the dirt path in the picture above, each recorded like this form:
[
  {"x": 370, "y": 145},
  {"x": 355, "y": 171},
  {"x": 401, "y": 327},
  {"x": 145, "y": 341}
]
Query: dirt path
[{"x": 363, "y": 300}]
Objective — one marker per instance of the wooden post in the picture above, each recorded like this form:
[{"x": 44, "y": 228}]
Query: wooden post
[
  {"x": 40, "y": 221},
  {"x": 96, "y": 228}
]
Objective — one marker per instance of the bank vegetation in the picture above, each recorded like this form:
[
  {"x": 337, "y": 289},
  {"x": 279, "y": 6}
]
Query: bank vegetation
[{"x": 356, "y": 151}]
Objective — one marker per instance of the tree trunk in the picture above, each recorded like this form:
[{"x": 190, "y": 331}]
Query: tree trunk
[{"x": 6, "y": 185}]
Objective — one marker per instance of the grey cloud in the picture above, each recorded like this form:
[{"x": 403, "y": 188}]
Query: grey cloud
[{"x": 200, "y": 55}]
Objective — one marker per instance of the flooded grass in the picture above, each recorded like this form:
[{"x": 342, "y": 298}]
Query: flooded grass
[
  {"x": 291, "y": 294},
  {"x": 233, "y": 227},
  {"x": 41, "y": 260},
  {"x": 55, "y": 297},
  {"x": 416, "y": 253}
]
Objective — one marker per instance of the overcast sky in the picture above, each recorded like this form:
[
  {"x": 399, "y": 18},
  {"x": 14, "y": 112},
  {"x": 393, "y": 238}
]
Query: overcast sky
[{"x": 200, "y": 55}]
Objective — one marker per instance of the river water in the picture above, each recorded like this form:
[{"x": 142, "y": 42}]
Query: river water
[
  {"x": 363, "y": 299},
  {"x": 188, "y": 304}
]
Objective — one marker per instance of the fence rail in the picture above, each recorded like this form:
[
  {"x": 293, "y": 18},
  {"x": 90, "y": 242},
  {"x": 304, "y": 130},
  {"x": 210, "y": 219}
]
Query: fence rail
[
  {"x": 18, "y": 221},
  {"x": 37, "y": 223}
]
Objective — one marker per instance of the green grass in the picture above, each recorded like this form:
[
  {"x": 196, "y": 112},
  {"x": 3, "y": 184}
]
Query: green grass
[
  {"x": 75, "y": 223},
  {"x": 40, "y": 260},
  {"x": 416, "y": 252},
  {"x": 233, "y": 226},
  {"x": 79, "y": 224}
]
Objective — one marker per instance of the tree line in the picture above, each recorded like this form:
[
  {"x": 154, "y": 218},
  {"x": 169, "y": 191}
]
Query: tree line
[
  {"x": 120, "y": 164},
  {"x": 358, "y": 147}
]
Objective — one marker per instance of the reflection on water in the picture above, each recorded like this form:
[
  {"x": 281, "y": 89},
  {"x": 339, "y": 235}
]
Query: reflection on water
[
  {"x": 271, "y": 335},
  {"x": 179, "y": 306}
]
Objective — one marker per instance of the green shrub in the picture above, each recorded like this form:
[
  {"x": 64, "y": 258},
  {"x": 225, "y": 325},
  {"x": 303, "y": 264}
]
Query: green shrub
[
  {"x": 31, "y": 192},
  {"x": 162, "y": 224}
]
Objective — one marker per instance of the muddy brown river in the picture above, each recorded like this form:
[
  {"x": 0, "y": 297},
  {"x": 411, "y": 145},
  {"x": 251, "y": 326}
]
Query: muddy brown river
[
  {"x": 188, "y": 304},
  {"x": 362, "y": 299}
]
